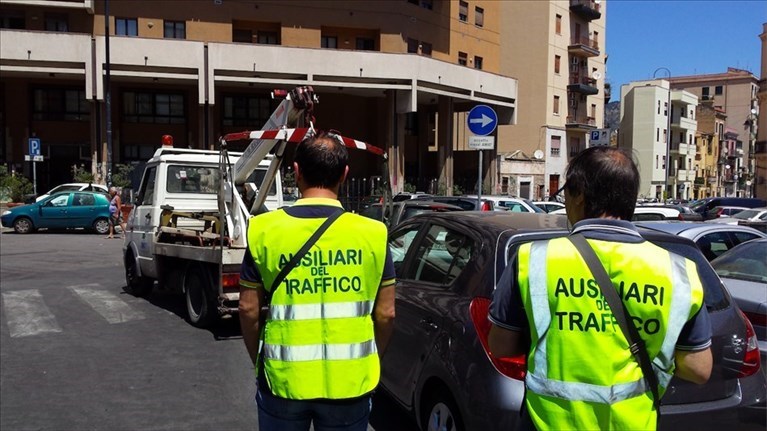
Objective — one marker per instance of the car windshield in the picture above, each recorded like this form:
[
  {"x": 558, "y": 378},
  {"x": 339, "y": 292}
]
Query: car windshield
[
  {"x": 746, "y": 214},
  {"x": 697, "y": 204},
  {"x": 63, "y": 188},
  {"x": 746, "y": 262}
]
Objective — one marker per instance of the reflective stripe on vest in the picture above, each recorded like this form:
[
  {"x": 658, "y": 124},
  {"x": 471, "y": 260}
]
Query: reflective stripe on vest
[
  {"x": 538, "y": 380},
  {"x": 333, "y": 310},
  {"x": 317, "y": 352}
]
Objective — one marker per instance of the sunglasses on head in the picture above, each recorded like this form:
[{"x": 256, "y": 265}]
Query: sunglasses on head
[{"x": 559, "y": 190}]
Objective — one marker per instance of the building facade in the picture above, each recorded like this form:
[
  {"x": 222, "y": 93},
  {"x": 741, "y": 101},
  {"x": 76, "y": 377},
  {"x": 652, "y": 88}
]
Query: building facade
[
  {"x": 708, "y": 158},
  {"x": 735, "y": 91},
  {"x": 760, "y": 146},
  {"x": 556, "y": 51},
  {"x": 658, "y": 125},
  {"x": 398, "y": 74}
]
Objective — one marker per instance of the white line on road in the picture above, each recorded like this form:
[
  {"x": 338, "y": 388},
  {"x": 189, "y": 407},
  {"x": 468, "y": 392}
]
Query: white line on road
[
  {"x": 107, "y": 304},
  {"x": 27, "y": 313}
]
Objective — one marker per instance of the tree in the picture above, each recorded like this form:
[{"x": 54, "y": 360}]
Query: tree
[
  {"x": 13, "y": 186},
  {"x": 122, "y": 176}
]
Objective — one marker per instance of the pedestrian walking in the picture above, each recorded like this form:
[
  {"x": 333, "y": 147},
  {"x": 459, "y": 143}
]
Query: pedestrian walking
[
  {"x": 115, "y": 212},
  {"x": 327, "y": 279},
  {"x": 604, "y": 317}
]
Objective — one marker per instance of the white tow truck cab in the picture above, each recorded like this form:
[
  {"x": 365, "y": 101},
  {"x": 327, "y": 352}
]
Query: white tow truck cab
[{"x": 172, "y": 234}]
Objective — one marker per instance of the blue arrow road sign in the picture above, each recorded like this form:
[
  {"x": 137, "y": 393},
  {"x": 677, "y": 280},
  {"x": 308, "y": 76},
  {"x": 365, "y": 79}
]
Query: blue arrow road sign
[
  {"x": 34, "y": 146},
  {"x": 482, "y": 120}
]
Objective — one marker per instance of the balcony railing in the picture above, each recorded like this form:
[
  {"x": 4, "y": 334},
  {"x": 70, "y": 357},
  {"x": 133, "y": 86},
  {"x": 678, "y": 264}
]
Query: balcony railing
[
  {"x": 581, "y": 123},
  {"x": 584, "y": 46},
  {"x": 583, "y": 85},
  {"x": 587, "y": 9}
]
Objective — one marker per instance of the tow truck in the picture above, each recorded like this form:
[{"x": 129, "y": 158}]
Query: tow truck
[{"x": 187, "y": 230}]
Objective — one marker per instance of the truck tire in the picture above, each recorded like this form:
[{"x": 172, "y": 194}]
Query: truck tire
[
  {"x": 201, "y": 307},
  {"x": 134, "y": 283}
]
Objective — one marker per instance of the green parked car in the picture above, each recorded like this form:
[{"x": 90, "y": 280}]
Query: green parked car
[{"x": 65, "y": 210}]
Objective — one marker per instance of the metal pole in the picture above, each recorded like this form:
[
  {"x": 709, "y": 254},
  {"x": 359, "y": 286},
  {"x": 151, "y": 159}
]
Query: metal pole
[
  {"x": 34, "y": 176},
  {"x": 479, "y": 182},
  {"x": 107, "y": 95}
]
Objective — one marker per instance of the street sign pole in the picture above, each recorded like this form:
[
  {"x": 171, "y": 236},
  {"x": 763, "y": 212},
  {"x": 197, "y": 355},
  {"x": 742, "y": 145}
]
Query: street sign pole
[
  {"x": 479, "y": 182},
  {"x": 481, "y": 121},
  {"x": 34, "y": 176}
]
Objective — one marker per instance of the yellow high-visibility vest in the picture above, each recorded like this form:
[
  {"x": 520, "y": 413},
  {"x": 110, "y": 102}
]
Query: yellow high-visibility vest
[
  {"x": 581, "y": 374},
  {"x": 318, "y": 340}
]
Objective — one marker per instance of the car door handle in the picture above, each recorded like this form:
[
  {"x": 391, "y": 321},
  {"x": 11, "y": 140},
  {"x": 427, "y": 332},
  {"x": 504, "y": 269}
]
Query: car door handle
[
  {"x": 428, "y": 323},
  {"x": 148, "y": 217}
]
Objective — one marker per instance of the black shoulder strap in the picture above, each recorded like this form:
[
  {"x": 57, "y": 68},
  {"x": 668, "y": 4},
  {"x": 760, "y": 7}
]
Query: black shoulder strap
[
  {"x": 620, "y": 312},
  {"x": 305, "y": 248}
]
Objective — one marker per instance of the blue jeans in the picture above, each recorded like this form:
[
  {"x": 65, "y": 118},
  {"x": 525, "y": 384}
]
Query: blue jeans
[{"x": 280, "y": 414}]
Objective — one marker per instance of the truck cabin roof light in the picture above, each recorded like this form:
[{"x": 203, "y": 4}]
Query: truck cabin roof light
[
  {"x": 167, "y": 141},
  {"x": 279, "y": 93}
]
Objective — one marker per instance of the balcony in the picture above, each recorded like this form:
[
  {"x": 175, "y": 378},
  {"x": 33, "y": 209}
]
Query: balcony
[
  {"x": 584, "y": 47},
  {"x": 684, "y": 175},
  {"x": 586, "y": 9},
  {"x": 583, "y": 85},
  {"x": 580, "y": 123},
  {"x": 684, "y": 123}
]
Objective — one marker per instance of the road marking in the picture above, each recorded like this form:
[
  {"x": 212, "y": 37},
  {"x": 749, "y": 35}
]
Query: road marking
[
  {"x": 107, "y": 304},
  {"x": 27, "y": 313}
]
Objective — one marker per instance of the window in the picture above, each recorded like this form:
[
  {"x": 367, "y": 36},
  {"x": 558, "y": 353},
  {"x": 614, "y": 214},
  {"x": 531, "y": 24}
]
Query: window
[
  {"x": 56, "y": 22},
  {"x": 558, "y": 24},
  {"x": 704, "y": 92},
  {"x": 665, "y": 109},
  {"x": 365, "y": 44},
  {"x": 399, "y": 247},
  {"x": 140, "y": 153},
  {"x": 556, "y": 144},
  {"x": 329, "y": 42},
  {"x": 146, "y": 193},
  {"x": 174, "y": 30},
  {"x": 462, "y": 58},
  {"x": 478, "y": 62},
  {"x": 158, "y": 108},
  {"x": 463, "y": 11},
  {"x": 60, "y": 104},
  {"x": 479, "y": 16},
  {"x": 12, "y": 19},
  {"x": 657, "y": 134},
  {"x": 557, "y": 63},
  {"x": 268, "y": 38},
  {"x": 83, "y": 200},
  {"x": 659, "y": 107},
  {"x": 192, "y": 179},
  {"x": 664, "y": 163},
  {"x": 556, "y": 105},
  {"x": 242, "y": 35},
  {"x": 126, "y": 26},
  {"x": 442, "y": 256},
  {"x": 426, "y": 4},
  {"x": 593, "y": 111},
  {"x": 246, "y": 111},
  {"x": 718, "y": 90},
  {"x": 656, "y": 161},
  {"x": 426, "y": 49},
  {"x": 58, "y": 201},
  {"x": 412, "y": 46}
]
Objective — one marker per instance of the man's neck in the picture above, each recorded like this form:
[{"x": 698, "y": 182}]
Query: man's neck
[{"x": 317, "y": 192}]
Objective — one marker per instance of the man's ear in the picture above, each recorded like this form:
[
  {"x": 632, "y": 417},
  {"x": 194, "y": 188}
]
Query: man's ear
[
  {"x": 346, "y": 174},
  {"x": 297, "y": 172}
]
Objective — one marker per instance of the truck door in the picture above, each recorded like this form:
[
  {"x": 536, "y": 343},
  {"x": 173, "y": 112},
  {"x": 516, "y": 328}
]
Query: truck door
[{"x": 141, "y": 225}]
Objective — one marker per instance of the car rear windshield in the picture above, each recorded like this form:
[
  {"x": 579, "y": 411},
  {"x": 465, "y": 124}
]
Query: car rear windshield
[
  {"x": 745, "y": 262},
  {"x": 192, "y": 179}
]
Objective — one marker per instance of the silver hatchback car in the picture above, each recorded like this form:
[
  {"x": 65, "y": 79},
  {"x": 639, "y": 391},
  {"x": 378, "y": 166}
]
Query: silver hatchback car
[{"x": 437, "y": 365}]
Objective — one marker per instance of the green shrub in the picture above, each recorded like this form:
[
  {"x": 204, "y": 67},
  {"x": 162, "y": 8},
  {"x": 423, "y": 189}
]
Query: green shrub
[
  {"x": 121, "y": 175},
  {"x": 13, "y": 187},
  {"x": 81, "y": 175}
]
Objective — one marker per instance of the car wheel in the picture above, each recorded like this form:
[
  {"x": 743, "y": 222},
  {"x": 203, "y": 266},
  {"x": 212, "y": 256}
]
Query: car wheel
[
  {"x": 101, "y": 226},
  {"x": 200, "y": 302},
  {"x": 23, "y": 225},
  {"x": 134, "y": 283},
  {"x": 439, "y": 413}
]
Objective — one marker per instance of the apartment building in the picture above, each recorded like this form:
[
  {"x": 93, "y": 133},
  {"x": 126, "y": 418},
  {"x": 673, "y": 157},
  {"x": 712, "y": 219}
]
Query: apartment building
[
  {"x": 397, "y": 74},
  {"x": 658, "y": 125},
  {"x": 556, "y": 51},
  {"x": 735, "y": 91},
  {"x": 708, "y": 158},
  {"x": 760, "y": 146}
]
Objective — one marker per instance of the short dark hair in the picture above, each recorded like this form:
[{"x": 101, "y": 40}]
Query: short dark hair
[
  {"x": 322, "y": 161},
  {"x": 609, "y": 180}
]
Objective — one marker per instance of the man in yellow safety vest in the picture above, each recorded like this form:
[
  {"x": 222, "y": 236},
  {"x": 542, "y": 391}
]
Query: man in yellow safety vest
[
  {"x": 330, "y": 313},
  {"x": 580, "y": 372}
]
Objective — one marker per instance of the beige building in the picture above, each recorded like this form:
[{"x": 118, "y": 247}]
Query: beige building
[
  {"x": 736, "y": 93},
  {"x": 662, "y": 141},
  {"x": 708, "y": 162},
  {"x": 760, "y": 147},
  {"x": 397, "y": 74},
  {"x": 555, "y": 49}
]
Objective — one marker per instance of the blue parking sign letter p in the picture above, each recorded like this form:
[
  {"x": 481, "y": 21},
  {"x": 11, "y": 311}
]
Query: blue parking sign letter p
[{"x": 34, "y": 146}]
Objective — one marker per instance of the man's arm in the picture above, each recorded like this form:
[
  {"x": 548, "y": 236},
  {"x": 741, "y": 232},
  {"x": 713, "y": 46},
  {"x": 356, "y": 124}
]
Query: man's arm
[
  {"x": 383, "y": 315},
  {"x": 250, "y": 311},
  {"x": 693, "y": 366},
  {"x": 505, "y": 342}
]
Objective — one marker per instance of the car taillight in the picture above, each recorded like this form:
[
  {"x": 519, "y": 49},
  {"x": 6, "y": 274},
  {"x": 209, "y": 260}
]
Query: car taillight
[
  {"x": 514, "y": 366},
  {"x": 751, "y": 358},
  {"x": 231, "y": 280},
  {"x": 757, "y": 319},
  {"x": 485, "y": 206}
]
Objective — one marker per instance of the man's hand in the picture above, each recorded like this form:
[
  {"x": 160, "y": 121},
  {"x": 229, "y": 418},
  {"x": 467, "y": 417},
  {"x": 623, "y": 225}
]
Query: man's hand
[
  {"x": 383, "y": 316},
  {"x": 250, "y": 311}
]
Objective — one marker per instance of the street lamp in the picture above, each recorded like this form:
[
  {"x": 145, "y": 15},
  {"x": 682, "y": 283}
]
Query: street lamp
[{"x": 668, "y": 130}]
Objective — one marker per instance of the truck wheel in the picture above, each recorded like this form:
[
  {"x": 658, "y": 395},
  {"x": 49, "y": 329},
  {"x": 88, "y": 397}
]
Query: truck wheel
[
  {"x": 135, "y": 284},
  {"x": 200, "y": 302},
  {"x": 23, "y": 225},
  {"x": 101, "y": 226}
]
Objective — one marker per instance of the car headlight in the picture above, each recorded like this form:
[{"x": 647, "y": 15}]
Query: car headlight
[{"x": 6, "y": 213}]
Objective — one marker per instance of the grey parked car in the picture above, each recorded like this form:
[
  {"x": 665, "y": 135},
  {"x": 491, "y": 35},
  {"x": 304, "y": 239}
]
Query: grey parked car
[
  {"x": 437, "y": 366},
  {"x": 400, "y": 211},
  {"x": 712, "y": 239}
]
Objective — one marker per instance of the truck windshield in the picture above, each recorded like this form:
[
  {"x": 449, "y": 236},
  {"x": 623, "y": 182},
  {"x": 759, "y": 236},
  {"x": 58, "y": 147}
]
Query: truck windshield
[
  {"x": 192, "y": 179},
  {"x": 257, "y": 176}
]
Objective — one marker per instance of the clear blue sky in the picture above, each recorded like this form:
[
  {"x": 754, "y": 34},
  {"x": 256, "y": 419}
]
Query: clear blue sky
[{"x": 688, "y": 37}]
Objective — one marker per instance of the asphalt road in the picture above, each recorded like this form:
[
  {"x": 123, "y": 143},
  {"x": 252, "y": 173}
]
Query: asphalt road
[{"x": 77, "y": 353}]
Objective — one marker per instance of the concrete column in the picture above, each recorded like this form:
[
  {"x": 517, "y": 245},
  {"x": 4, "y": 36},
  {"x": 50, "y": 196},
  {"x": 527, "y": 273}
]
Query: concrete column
[
  {"x": 395, "y": 140},
  {"x": 445, "y": 142}
]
